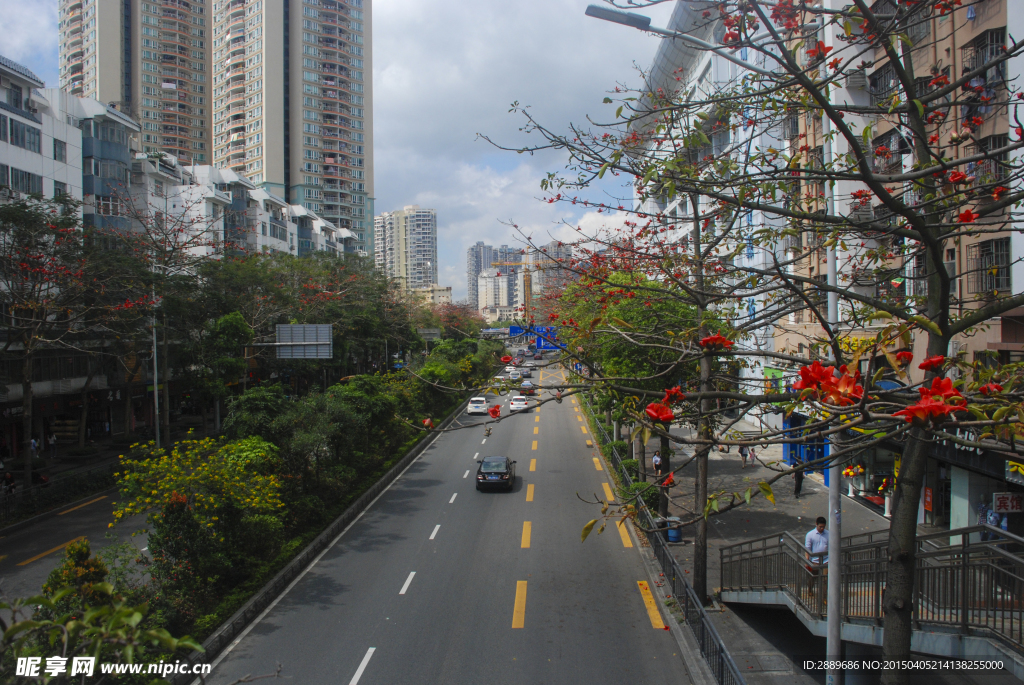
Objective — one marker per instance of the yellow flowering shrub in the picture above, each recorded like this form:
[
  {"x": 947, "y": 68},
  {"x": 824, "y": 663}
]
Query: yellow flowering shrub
[{"x": 207, "y": 474}]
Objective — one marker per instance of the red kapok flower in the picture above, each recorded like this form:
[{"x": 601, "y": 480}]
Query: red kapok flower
[
  {"x": 670, "y": 481},
  {"x": 998, "y": 191},
  {"x": 904, "y": 357},
  {"x": 716, "y": 341},
  {"x": 659, "y": 412},
  {"x": 928, "y": 410},
  {"x": 967, "y": 216},
  {"x": 957, "y": 177},
  {"x": 494, "y": 411},
  {"x": 942, "y": 389},
  {"x": 428, "y": 424},
  {"x": 990, "y": 388},
  {"x": 673, "y": 395},
  {"x": 932, "y": 363}
]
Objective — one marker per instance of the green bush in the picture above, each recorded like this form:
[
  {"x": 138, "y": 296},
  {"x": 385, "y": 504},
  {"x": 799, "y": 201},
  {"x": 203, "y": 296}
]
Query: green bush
[
  {"x": 260, "y": 535},
  {"x": 632, "y": 467},
  {"x": 648, "y": 493},
  {"x": 620, "y": 445}
]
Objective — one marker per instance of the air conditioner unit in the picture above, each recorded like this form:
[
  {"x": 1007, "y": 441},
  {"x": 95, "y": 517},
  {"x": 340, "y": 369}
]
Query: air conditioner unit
[
  {"x": 857, "y": 80},
  {"x": 862, "y": 214}
]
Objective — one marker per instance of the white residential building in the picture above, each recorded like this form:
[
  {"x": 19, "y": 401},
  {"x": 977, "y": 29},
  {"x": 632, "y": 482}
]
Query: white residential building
[
  {"x": 406, "y": 246},
  {"x": 40, "y": 144}
]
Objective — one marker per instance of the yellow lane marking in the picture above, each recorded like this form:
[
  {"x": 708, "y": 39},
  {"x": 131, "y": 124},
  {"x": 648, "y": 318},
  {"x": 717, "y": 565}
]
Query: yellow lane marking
[
  {"x": 527, "y": 529},
  {"x": 2, "y": 557},
  {"x": 579, "y": 418},
  {"x": 589, "y": 444},
  {"x": 576, "y": 409},
  {"x": 536, "y": 430},
  {"x": 536, "y": 419},
  {"x": 50, "y": 551},
  {"x": 68, "y": 511},
  {"x": 519, "y": 612},
  {"x": 652, "y": 607},
  {"x": 529, "y": 492},
  {"x": 533, "y": 462},
  {"x": 608, "y": 492},
  {"x": 574, "y": 400},
  {"x": 534, "y": 445},
  {"x": 584, "y": 429},
  {"x": 597, "y": 464},
  {"x": 624, "y": 534}
]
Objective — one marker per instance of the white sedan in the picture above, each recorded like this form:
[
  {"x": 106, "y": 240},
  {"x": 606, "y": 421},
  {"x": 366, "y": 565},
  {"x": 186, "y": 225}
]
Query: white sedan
[
  {"x": 477, "y": 405},
  {"x": 519, "y": 403}
]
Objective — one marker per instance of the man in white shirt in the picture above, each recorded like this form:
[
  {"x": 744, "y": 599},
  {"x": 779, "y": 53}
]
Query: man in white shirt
[{"x": 816, "y": 544}]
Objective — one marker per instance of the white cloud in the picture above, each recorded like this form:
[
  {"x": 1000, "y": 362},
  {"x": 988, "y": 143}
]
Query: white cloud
[
  {"x": 444, "y": 71},
  {"x": 29, "y": 29}
]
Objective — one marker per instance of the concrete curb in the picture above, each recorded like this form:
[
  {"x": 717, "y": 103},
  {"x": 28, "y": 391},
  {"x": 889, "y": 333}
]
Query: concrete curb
[{"x": 696, "y": 667}]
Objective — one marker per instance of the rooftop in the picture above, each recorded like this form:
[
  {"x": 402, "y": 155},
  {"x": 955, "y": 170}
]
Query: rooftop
[{"x": 21, "y": 71}]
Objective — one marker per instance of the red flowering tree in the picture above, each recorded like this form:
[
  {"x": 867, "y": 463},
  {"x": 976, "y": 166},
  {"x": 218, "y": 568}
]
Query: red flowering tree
[
  {"x": 56, "y": 293},
  {"x": 839, "y": 235}
]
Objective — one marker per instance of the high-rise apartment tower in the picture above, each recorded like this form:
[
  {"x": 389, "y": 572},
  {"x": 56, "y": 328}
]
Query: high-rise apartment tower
[
  {"x": 150, "y": 60},
  {"x": 292, "y": 98},
  {"x": 406, "y": 246}
]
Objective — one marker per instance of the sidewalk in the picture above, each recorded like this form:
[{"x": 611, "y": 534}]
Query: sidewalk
[{"x": 766, "y": 643}]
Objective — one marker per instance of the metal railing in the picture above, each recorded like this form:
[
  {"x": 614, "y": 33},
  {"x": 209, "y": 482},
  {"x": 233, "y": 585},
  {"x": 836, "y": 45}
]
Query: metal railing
[
  {"x": 963, "y": 583},
  {"x": 712, "y": 648}
]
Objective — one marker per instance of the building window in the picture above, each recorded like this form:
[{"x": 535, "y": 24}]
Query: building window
[
  {"x": 26, "y": 182},
  {"x": 3, "y": 127},
  {"x": 59, "y": 189},
  {"x": 25, "y": 136},
  {"x": 5, "y": 175},
  {"x": 108, "y": 206},
  {"x": 988, "y": 266},
  {"x": 60, "y": 150}
]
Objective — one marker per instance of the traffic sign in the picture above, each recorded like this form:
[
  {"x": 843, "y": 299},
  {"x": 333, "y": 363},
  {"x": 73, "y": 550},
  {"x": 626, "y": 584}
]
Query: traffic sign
[{"x": 515, "y": 331}]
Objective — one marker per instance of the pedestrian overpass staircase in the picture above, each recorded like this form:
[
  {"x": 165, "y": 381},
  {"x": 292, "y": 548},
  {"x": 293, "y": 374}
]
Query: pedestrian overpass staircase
[{"x": 969, "y": 593}]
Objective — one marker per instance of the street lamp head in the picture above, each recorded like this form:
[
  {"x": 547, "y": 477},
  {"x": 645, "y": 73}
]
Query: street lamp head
[{"x": 637, "y": 21}]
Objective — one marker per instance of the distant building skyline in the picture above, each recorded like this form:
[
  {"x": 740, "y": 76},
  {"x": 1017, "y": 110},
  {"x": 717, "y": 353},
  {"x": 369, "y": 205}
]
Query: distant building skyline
[{"x": 405, "y": 246}]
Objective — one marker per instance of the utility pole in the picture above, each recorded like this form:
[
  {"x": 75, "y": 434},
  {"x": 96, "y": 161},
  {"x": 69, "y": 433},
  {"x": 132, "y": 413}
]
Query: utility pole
[{"x": 156, "y": 378}]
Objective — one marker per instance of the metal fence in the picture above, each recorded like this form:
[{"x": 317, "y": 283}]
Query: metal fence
[
  {"x": 962, "y": 582},
  {"x": 25, "y": 502},
  {"x": 712, "y": 648}
]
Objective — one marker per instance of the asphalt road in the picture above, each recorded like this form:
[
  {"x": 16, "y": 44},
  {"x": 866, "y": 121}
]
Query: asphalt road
[
  {"x": 28, "y": 555},
  {"x": 439, "y": 583}
]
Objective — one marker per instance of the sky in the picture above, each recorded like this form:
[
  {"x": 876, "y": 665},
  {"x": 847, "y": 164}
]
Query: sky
[{"x": 445, "y": 71}]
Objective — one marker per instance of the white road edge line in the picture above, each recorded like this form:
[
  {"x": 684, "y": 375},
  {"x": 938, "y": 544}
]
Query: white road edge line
[
  {"x": 466, "y": 474},
  {"x": 436, "y": 528},
  {"x": 452, "y": 500},
  {"x": 237, "y": 640},
  {"x": 362, "y": 666},
  {"x": 408, "y": 581}
]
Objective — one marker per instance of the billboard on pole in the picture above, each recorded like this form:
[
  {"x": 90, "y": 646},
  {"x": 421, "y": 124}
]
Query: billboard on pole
[{"x": 305, "y": 341}]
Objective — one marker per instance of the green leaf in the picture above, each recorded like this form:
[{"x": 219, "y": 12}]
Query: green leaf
[
  {"x": 920, "y": 107},
  {"x": 604, "y": 168},
  {"x": 766, "y": 490},
  {"x": 607, "y": 101},
  {"x": 714, "y": 503},
  {"x": 618, "y": 112},
  {"x": 587, "y": 529},
  {"x": 746, "y": 495},
  {"x": 926, "y": 323}
]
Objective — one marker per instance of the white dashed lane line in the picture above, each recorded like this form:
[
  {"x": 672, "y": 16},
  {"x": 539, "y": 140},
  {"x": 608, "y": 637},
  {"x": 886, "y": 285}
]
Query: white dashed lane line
[
  {"x": 453, "y": 498},
  {"x": 408, "y": 582},
  {"x": 436, "y": 528}
]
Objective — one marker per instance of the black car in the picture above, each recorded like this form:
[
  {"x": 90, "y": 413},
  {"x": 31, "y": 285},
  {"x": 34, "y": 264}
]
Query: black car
[{"x": 496, "y": 472}]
